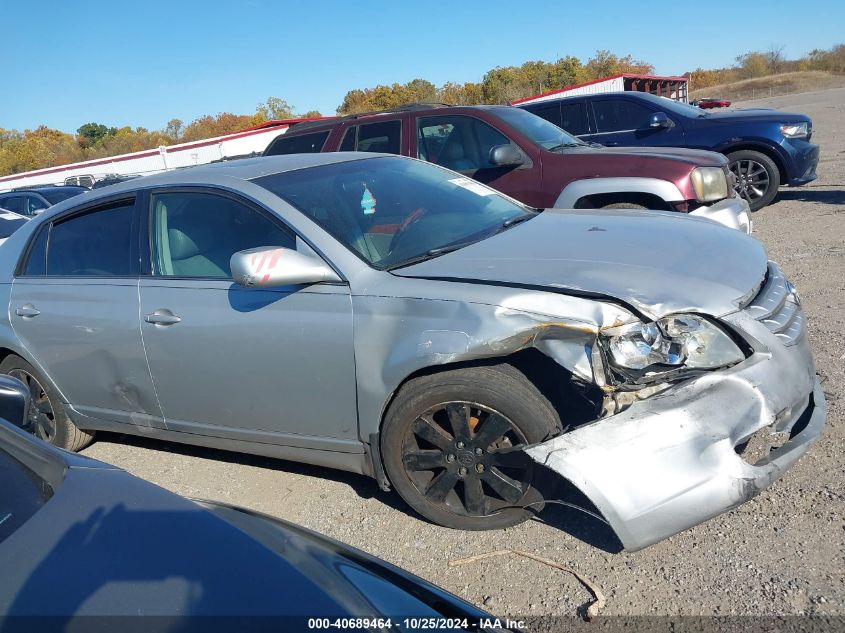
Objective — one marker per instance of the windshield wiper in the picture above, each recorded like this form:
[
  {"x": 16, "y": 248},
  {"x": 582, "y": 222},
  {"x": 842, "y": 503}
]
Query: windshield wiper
[
  {"x": 430, "y": 254},
  {"x": 514, "y": 221},
  {"x": 565, "y": 145}
]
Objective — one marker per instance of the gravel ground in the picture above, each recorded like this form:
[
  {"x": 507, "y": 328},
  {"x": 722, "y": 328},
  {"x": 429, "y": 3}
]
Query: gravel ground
[{"x": 781, "y": 553}]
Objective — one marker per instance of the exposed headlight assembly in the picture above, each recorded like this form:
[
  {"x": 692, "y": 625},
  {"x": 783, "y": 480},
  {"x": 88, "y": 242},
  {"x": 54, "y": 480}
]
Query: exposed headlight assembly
[
  {"x": 710, "y": 183},
  {"x": 676, "y": 342},
  {"x": 795, "y": 130}
]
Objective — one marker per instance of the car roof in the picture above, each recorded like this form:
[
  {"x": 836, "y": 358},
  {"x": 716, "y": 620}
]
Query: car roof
[
  {"x": 243, "y": 169},
  {"x": 367, "y": 117}
]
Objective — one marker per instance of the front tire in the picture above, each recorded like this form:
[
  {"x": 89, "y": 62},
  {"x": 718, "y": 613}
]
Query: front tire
[
  {"x": 47, "y": 417},
  {"x": 445, "y": 446},
  {"x": 757, "y": 177}
]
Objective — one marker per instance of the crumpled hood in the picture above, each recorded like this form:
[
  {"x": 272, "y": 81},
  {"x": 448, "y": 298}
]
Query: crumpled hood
[
  {"x": 657, "y": 262},
  {"x": 700, "y": 156}
]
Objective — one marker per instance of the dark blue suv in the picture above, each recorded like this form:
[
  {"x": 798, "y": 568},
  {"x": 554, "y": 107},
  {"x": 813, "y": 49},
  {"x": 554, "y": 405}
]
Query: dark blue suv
[{"x": 766, "y": 148}]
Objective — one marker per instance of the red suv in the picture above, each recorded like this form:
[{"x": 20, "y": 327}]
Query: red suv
[{"x": 532, "y": 160}]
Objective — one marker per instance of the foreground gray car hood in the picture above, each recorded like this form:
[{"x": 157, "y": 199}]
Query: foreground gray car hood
[{"x": 658, "y": 262}]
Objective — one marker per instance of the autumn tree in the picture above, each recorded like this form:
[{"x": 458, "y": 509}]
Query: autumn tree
[
  {"x": 275, "y": 108},
  {"x": 604, "y": 63}
]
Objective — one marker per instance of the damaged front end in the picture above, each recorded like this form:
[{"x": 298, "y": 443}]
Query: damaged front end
[{"x": 698, "y": 416}]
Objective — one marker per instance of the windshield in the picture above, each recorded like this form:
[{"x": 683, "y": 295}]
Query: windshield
[
  {"x": 546, "y": 135},
  {"x": 393, "y": 211}
]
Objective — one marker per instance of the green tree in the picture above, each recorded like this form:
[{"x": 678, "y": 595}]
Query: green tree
[
  {"x": 275, "y": 108},
  {"x": 92, "y": 133},
  {"x": 174, "y": 129}
]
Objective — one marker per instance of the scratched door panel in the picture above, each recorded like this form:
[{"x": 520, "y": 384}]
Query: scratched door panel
[{"x": 87, "y": 338}]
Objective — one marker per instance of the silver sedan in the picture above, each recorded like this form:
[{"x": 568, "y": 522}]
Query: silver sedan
[{"x": 389, "y": 317}]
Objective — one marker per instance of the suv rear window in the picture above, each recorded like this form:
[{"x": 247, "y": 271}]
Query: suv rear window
[
  {"x": 23, "y": 493},
  {"x": 300, "y": 144}
]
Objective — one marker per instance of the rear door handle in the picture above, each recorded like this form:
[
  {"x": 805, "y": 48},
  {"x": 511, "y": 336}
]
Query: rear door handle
[
  {"x": 162, "y": 317},
  {"x": 27, "y": 311}
]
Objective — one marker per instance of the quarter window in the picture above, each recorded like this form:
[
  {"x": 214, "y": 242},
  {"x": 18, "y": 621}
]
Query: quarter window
[
  {"x": 613, "y": 115},
  {"x": 196, "y": 234},
  {"x": 301, "y": 144},
  {"x": 36, "y": 259},
  {"x": 96, "y": 244},
  {"x": 460, "y": 143}
]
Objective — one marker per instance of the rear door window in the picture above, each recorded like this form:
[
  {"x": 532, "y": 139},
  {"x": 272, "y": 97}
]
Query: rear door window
[
  {"x": 96, "y": 244},
  {"x": 300, "y": 144},
  {"x": 384, "y": 137},
  {"x": 615, "y": 115}
]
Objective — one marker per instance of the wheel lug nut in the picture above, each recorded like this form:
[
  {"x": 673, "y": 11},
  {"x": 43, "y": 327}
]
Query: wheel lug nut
[
  {"x": 478, "y": 451},
  {"x": 479, "y": 468},
  {"x": 460, "y": 444},
  {"x": 450, "y": 458},
  {"x": 462, "y": 471}
]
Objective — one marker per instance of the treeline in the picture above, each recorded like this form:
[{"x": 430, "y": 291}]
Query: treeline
[
  {"x": 499, "y": 85},
  {"x": 45, "y": 147},
  {"x": 772, "y": 62}
]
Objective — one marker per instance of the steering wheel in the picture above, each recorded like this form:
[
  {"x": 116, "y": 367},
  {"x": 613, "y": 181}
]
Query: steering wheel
[{"x": 413, "y": 217}]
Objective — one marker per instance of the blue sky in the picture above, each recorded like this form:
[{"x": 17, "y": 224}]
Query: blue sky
[{"x": 63, "y": 63}]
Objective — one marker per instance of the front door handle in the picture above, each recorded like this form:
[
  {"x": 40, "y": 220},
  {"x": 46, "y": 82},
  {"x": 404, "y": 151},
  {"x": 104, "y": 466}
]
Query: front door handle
[
  {"x": 27, "y": 311},
  {"x": 162, "y": 317}
]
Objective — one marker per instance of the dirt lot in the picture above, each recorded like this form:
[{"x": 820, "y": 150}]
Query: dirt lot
[{"x": 782, "y": 553}]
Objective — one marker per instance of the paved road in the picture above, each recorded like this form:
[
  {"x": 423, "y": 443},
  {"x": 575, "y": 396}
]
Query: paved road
[{"x": 782, "y": 553}]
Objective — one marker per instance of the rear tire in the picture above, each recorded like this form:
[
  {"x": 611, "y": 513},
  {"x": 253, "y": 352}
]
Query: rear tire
[
  {"x": 757, "y": 175},
  {"x": 48, "y": 417},
  {"x": 444, "y": 446}
]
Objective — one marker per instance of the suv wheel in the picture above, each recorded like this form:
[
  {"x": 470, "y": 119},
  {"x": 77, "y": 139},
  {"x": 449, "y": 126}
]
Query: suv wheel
[
  {"x": 447, "y": 440},
  {"x": 757, "y": 177}
]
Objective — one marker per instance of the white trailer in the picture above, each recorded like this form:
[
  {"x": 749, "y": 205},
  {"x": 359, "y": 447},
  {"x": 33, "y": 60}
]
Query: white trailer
[
  {"x": 164, "y": 158},
  {"x": 672, "y": 87}
]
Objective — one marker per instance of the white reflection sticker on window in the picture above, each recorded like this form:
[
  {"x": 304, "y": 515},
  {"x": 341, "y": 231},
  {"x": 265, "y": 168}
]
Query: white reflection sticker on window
[{"x": 470, "y": 185}]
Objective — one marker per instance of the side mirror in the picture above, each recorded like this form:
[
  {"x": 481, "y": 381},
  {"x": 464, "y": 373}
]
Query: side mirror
[
  {"x": 506, "y": 156},
  {"x": 269, "y": 266},
  {"x": 14, "y": 401},
  {"x": 660, "y": 120}
]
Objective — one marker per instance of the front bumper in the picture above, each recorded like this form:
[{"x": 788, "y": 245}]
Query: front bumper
[
  {"x": 803, "y": 159},
  {"x": 732, "y": 212},
  {"x": 673, "y": 460}
]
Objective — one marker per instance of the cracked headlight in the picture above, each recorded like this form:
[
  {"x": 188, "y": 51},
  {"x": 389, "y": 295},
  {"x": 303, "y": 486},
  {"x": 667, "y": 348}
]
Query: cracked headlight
[
  {"x": 678, "y": 341},
  {"x": 710, "y": 183}
]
